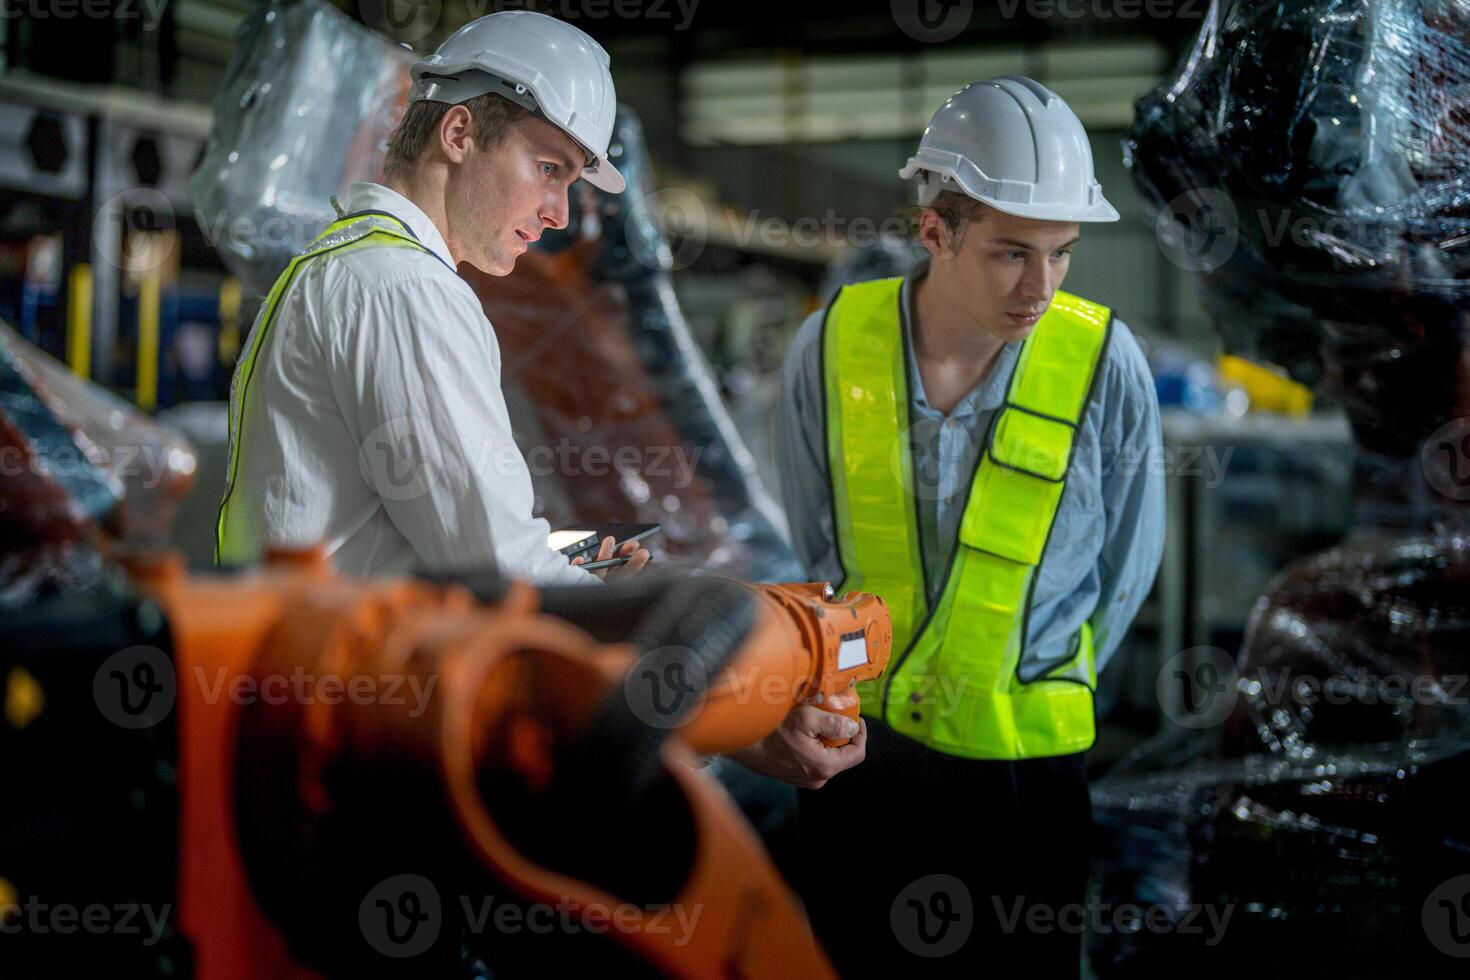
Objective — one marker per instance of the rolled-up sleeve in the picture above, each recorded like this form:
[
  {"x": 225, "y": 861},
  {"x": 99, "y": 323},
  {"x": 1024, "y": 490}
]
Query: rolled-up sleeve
[
  {"x": 1131, "y": 442},
  {"x": 416, "y": 371}
]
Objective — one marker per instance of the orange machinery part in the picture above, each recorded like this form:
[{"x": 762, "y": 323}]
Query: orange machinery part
[
  {"x": 795, "y": 656},
  {"x": 512, "y": 685}
]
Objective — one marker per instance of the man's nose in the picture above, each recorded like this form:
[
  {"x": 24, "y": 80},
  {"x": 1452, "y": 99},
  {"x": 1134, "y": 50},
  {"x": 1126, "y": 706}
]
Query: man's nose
[
  {"x": 1037, "y": 284},
  {"x": 556, "y": 210}
]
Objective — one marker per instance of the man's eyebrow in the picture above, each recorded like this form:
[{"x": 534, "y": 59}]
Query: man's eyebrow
[
  {"x": 568, "y": 162},
  {"x": 1028, "y": 246}
]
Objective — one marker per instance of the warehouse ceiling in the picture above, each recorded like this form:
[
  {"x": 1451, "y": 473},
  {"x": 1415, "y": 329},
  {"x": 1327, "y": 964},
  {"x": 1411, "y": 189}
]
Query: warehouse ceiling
[{"x": 180, "y": 47}]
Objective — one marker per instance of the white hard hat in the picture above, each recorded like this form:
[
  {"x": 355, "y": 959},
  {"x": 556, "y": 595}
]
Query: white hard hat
[
  {"x": 1015, "y": 145},
  {"x": 538, "y": 62}
]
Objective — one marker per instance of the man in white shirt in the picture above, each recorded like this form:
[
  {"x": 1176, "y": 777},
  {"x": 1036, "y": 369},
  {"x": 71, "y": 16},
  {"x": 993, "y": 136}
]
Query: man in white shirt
[{"x": 366, "y": 411}]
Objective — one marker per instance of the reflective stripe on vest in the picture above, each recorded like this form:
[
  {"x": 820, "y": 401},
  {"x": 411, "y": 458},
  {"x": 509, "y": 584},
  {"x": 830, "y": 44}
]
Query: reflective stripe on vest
[
  {"x": 955, "y": 684},
  {"x": 235, "y": 540}
]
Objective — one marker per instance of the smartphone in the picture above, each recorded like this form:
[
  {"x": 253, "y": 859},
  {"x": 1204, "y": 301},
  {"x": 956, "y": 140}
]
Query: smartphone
[
  {"x": 593, "y": 566},
  {"x": 573, "y": 541},
  {"x": 623, "y": 533},
  {"x": 585, "y": 541}
]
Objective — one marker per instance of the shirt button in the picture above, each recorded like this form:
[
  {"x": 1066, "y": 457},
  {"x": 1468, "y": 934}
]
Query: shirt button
[
  {"x": 949, "y": 499},
  {"x": 916, "y": 697},
  {"x": 949, "y": 423},
  {"x": 917, "y": 716}
]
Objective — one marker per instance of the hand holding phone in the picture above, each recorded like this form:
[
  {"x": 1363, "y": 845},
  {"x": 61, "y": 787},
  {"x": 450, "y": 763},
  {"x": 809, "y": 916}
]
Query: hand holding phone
[
  {"x": 628, "y": 558},
  {"x": 613, "y": 562}
]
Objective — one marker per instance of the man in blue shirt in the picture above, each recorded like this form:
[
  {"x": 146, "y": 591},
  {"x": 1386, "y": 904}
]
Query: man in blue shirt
[{"x": 1034, "y": 474}]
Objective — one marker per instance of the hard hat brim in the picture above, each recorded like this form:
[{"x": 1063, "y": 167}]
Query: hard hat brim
[
  {"x": 1099, "y": 212},
  {"x": 605, "y": 177}
]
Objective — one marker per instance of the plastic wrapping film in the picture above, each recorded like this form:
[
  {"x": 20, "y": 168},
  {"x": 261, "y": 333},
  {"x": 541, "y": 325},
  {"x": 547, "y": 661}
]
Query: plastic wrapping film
[
  {"x": 75, "y": 461},
  {"x": 881, "y": 258},
  {"x": 1308, "y": 160},
  {"x": 599, "y": 361},
  {"x": 305, "y": 108},
  {"x": 613, "y": 403}
]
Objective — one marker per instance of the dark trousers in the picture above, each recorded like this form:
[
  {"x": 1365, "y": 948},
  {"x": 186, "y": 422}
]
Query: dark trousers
[{"x": 932, "y": 865}]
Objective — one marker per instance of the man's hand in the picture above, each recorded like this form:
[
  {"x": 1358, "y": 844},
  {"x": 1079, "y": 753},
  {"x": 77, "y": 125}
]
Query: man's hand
[
  {"x": 626, "y": 570},
  {"x": 794, "y": 753}
]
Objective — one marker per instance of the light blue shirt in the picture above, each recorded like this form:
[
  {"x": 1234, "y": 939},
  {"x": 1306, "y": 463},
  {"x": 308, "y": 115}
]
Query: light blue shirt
[{"x": 1108, "y": 538}]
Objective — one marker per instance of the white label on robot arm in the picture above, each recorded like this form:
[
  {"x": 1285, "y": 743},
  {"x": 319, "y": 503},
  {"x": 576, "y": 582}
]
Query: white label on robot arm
[{"x": 852, "y": 651}]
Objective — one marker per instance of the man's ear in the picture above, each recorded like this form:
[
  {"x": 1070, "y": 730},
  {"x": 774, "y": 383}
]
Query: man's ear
[
  {"x": 935, "y": 235},
  {"x": 455, "y": 136}
]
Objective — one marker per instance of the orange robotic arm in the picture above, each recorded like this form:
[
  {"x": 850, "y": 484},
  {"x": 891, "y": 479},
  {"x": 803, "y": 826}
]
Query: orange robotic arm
[
  {"x": 811, "y": 647},
  {"x": 526, "y": 772}
]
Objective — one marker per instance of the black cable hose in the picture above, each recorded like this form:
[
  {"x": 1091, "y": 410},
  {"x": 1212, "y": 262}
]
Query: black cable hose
[
  {"x": 691, "y": 626},
  {"x": 611, "y": 776},
  {"x": 695, "y": 626}
]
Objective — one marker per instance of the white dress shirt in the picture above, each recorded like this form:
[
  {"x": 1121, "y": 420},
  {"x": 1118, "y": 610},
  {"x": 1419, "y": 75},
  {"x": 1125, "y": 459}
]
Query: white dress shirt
[{"x": 375, "y": 422}]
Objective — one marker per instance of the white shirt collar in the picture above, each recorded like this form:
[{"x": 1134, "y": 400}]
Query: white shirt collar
[{"x": 364, "y": 195}]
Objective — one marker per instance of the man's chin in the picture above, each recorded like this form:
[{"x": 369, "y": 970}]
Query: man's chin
[
  {"x": 495, "y": 267},
  {"x": 1009, "y": 332}
]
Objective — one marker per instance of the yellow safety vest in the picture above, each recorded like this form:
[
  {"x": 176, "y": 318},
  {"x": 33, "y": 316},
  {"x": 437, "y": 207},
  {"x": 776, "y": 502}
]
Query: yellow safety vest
[
  {"x": 955, "y": 684},
  {"x": 236, "y": 540}
]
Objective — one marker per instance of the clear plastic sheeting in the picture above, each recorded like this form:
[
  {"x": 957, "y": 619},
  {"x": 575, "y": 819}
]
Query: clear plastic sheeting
[
  {"x": 1319, "y": 802},
  {"x": 880, "y": 258},
  {"x": 75, "y": 461},
  {"x": 613, "y": 403},
  {"x": 305, "y": 108},
  {"x": 1308, "y": 160}
]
